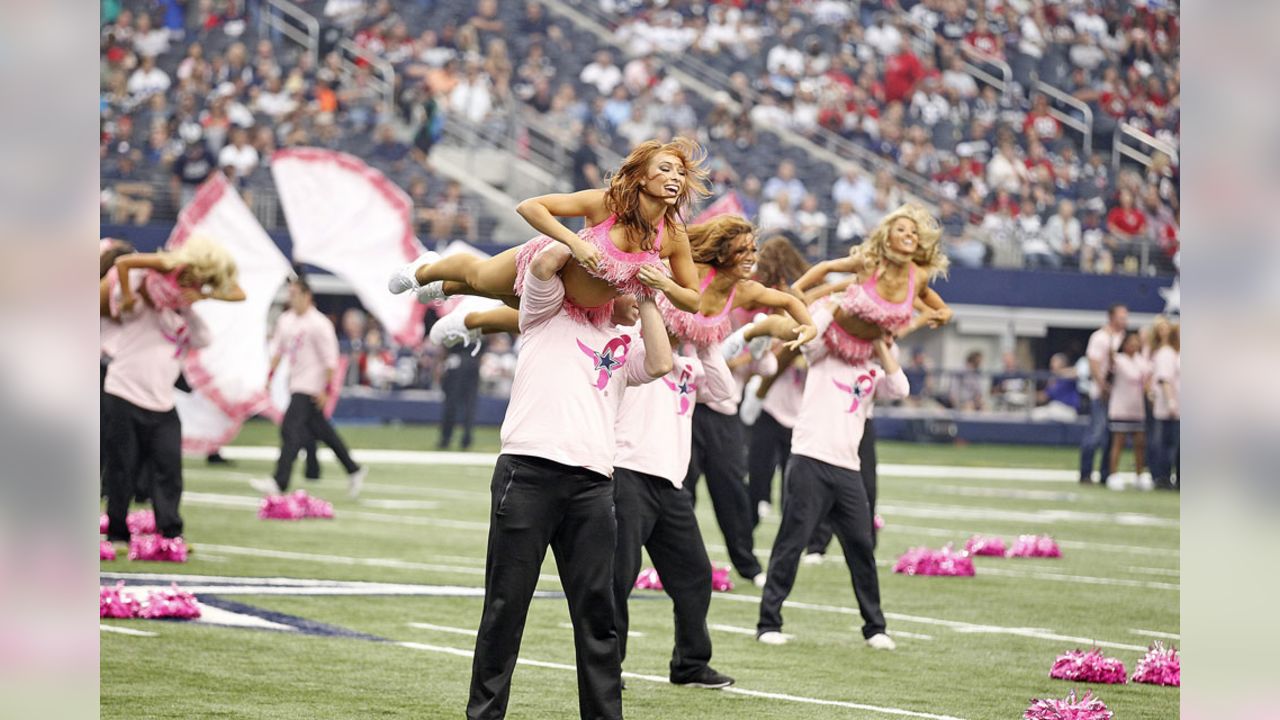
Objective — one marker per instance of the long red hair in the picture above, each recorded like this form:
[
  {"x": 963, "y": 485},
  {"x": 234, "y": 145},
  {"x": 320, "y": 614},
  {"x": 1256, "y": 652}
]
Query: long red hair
[{"x": 622, "y": 198}]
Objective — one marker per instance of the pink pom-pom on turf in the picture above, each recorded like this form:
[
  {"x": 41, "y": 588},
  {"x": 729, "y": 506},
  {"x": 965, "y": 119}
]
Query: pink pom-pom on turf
[
  {"x": 103, "y": 522},
  {"x": 1160, "y": 666},
  {"x": 154, "y": 548},
  {"x": 721, "y": 580},
  {"x": 280, "y": 507},
  {"x": 113, "y": 602},
  {"x": 1038, "y": 546},
  {"x": 141, "y": 522},
  {"x": 1089, "y": 667},
  {"x": 925, "y": 561},
  {"x": 1087, "y": 707},
  {"x": 648, "y": 580},
  {"x": 984, "y": 545},
  {"x": 171, "y": 603},
  {"x": 313, "y": 507},
  {"x": 878, "y": 522},
  {"x": 106, "y": 551}
]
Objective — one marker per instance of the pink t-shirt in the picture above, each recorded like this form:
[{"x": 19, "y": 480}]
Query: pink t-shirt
[
  {"x": 147, "y": 356},
  {"x": 309, "y": 344},
  {"x": 783, "y": 400},
  {"x": 1166, "y": 376},
  {"x": 837, "y": 398},
  {"x": 568, "y": 383},
  {"x": 655, "y": 423},
  {"x": 1102, "y": 344},
  {"x": 1127, "y": 389},
  {"x": 768, "y": 365}
]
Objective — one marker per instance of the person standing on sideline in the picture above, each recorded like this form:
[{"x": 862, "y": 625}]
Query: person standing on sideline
[
  {"x": 822, "y": 478},
  {"x": 461, "y": 385},
  {"x": 1101, "y": 351},
  {"x": 308, "y": 339},
  {"x": 1166, "y": 386},
  {"x": 551, "y": 485}
]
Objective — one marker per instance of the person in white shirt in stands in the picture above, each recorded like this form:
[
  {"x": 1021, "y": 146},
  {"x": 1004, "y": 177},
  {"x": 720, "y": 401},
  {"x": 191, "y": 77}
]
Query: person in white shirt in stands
[
  {"x": 147, "y": 80},
  {"x": 239, "y": 155},
  {"x": 601, "y": 73},
  {"x": 551, "y": 485}
]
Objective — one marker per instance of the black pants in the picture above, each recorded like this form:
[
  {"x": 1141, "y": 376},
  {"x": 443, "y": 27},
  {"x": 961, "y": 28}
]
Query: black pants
[
  {"x": 1096, "y": 438},
  {"x": 769, "y": 450},
  {"x": 718, "y": 451},
  {"x": 654, "y": 514},
  {"x": 1167, "y": 459},
  {"x": 304, "y": 422},
  {"x": 461, "y": 387},
  {"x": 815, "y": 490},
  {"x": 537, "y": 503},
  {"x": 867, "y": 457},
  {"x": 136, "y": 438}
]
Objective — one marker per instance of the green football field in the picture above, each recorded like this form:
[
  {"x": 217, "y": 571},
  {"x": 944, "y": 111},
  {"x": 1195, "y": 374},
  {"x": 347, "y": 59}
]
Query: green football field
[{"x": 373, "y": 614}]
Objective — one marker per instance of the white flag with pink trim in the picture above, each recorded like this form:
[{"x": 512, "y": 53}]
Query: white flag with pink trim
[
  {"x": 727, "y": 204},
  {"x": 349, "y": 219},
  {"x": 229, "y": 377}
]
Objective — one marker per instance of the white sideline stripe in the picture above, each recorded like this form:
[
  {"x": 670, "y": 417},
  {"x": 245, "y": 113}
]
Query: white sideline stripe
[
  {"x": 1156, "y": 634},
  {"x": 246, "y": 501},
  {"x": 1010, "y": 493},
  {"x": 426, "y": 457},
  {"x": 241, "y": 478},
  {"x": 961, "y": 535},
  {"x": 1085, "y": 579},
  {"x": 630, "y": 633},
  {"x": 750, "y": 632},
  {"x": 443, "y": 629},
  {"x": 1046, "y": 516},
  {"x": 958, "y": 626},
  {"x": 126, "y": 631},
  {"x": 459, "y": 652},
  {"x": 345, "y": 560},
  {"x": 400, "y": 504},
  {"x": 905, "y": 634},
  {"x": 1156, "y": 571}
]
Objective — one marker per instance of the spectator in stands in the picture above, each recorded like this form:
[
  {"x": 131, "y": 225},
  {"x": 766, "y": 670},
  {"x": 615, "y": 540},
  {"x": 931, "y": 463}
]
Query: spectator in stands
[
  {"x": 785, "y": 181},
  {"x": 586, "y": 162},
  {"x": 1063, "y": 235},
  {"x": 472, "y": 97},
  {"x": 811, "y": 225},
  {"x": 1036, "y": 252},
  {"x": 958, "y": 79},
  {"x": 601, "y": 73},
  {"x": 351, "y": 342},
  {"x": 1011, "y": 388},
  {"x": 1040, "y": 124},
  {"x": 968, "y": 250},
  {"x": 148, "y": 41},
  {"x": 453, "y": 214},
  {"x": 1006, "y": 171},
  {"x": 147, "y": 80},
  {"x": 388, "y": 152},
  {"x": 751, "y": 195},
  {"x": 920, "y": 377},
  {"x": 1126, "y": 222},
  {"x": 902, "y": 71},
  {"x": 638, "y": 127},
  {"x": 981, "y": 41},
  {"x": 776, "y": 213},
  {"x": 1060, "y": 400},
  {"x": 853, "y": 187},
  {"x": 1101, "y": 351},
  {"x": 850, "y": 230},
  {"x": 968, "y": 388},
  {"x": 534, "y": 23},
  {"x": 239, "y": 156},
  {"x": 192, "y": 168},
  {"x": 126, "y": 195}
]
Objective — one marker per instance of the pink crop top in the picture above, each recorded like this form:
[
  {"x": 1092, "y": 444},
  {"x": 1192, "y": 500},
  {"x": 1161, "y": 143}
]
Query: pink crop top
[
  {"x": 864, "y": 301},
  {"x": 696, "y": 328}
]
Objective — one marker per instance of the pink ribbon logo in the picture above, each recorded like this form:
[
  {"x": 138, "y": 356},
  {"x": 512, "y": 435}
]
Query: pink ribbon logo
[
  {"x": 612, "y": 357},
  {"x": 861, "y": 388},
  {"x": 684, "y": 389}
]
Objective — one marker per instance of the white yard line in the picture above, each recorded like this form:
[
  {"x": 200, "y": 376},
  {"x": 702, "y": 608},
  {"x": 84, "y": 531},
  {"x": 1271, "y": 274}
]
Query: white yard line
[
  {"x": 1167, "y": 572},
  {"x": 443, "y": 629},
  {"x": 247, "y": 501},
  {"x": 1046, "y": 516},
  {"x": 346, "y": 560},
  {"x": 900, "y": 712},
  {"x": 1156, "y": 634},
  {"x": 126, "y": 631}
]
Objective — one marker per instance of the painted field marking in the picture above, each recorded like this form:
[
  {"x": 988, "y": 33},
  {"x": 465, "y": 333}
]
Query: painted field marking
[
  {"x": 443, "y": 629},
  {"x": 1076, "y": 544},
  {"x": 245, "y": 501},
  {"x": 1156, "y": 634},
  {"x": 126, "y": 631},
  {"x": 1007, "y": 493},
  {"x": 400, "y": 504},
  {"x": 1085, "y": 579},
  {"x": 459, "y": 652},
  {"x": 346, "y": 560},
  {"x": 735, "y": 630},
  {"x": 1155, "y": 571},
  {"x": 241, "y": 478},
  {"x": 1044, "y": 516},
  {"x": 905, "y": 634}
]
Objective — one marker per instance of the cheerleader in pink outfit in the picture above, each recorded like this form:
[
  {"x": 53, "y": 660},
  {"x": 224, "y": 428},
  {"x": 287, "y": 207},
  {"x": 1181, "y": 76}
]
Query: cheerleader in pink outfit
[
  {"x": 632, "y": 226},
  {"x": 199, "y": 269},
  {"x": 1126, "y": 413}
]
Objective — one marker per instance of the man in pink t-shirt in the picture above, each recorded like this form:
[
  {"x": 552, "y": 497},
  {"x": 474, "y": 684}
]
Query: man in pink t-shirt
[
  {"x": 822, "y": 481},
  {"x": 551, "y": 486},
  {"x": 306, "y": 337},
  {"x": 140, "y": 424},
  {"x": 1103, "y": 344}
]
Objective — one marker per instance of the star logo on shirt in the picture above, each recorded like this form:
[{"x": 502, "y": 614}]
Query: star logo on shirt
[
  {"x": 859, "y": 390},
  {"x": 607, "y": 359},
  {"x": 683, "y": 389}
]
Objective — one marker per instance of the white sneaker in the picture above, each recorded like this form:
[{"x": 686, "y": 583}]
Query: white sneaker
[
  {"x": 405, "y": 278},
  {"x": 772, "y": 637},
  {"x": 764, "y": 509},
  {"x": 759, "y": 580},
  {"x": 355, "y": 481},
  {"x": 812, "y": 559},
  {"x": 732, "y": 346},
  {"x": 1145, "y": 482},
  {"x": 759, "y": 346},
  {"x": 266, "y": 486},
  {"x": 751, "y": 406},
  {"x": 452, "y": 329},
  {"x": 430, "y": 292},
  {"x": 1115, "y": 482},
  {"x": 880, "y": 641}
]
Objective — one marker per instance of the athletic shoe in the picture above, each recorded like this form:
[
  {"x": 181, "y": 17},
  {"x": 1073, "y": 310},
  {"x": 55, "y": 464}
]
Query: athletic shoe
[
  {"x": 759, "y": 579},
  {"x": 764, "y": 509},
  {"x": 707, "y": 678},
  {"x": 772, "y": 637},
  {"x": 759, "y": 346},
  {"x": 880, "y": 641},
  {"x": 812, "y": 559},
  {"x": 430, "y": 292},
  {"x": 355, "y": 481},
  {"x": 266, "y": 486},
  {"x": 751, "y": 406},
  {"x": 1115, "y": 482},
  {"x": 217, "y": 459},
  {"x": 452, "y": 329},
  {"x": 1145, "y": 482},
  {"x": 732, "y": 346},
  {"x": 405, "y": 279}
]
